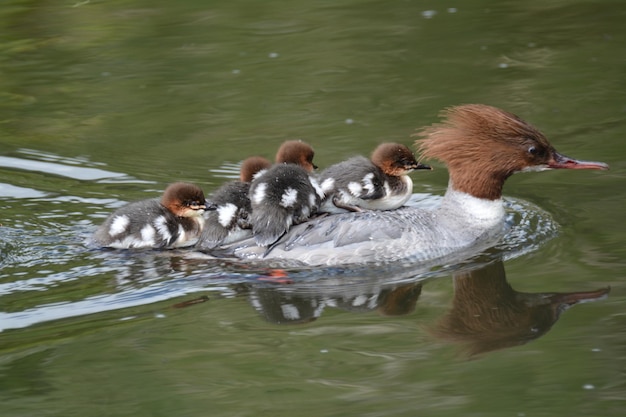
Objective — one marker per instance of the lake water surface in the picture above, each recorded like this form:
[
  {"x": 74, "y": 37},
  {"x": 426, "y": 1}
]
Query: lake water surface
[{"x": 102, "y": 103}]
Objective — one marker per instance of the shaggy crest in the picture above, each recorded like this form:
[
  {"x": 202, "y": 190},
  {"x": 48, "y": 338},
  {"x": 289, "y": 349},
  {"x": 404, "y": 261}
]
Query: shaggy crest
[{"x": 482, "y": 146}]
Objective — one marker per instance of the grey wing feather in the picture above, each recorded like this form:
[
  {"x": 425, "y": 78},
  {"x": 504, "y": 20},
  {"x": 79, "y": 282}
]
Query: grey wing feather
[{"x": 340, "y": 229}]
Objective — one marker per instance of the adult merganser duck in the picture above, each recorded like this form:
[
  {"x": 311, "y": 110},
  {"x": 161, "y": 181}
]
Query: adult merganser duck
[
  {"x": 228, "y": 219},
  {"x": 482, "y": 146},
  {"x": 379, "y": 183},
  {"x": 173, "y": 221},
  {"x": 285, "y": 194}
]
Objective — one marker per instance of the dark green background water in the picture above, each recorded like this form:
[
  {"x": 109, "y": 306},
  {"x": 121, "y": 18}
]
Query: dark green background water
[{"x": 120, "y": 98}]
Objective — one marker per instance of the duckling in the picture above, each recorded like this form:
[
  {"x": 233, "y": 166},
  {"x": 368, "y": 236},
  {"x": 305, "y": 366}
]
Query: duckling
[
  {"x": 175, "y": 220},
  {"x": 229, "y": 218},
  {"x": 284, "y": 195},
  {"x": 379, "y": 183}
]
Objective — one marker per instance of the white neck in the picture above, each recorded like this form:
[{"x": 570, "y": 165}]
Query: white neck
[{"x": 476, "y": 212}]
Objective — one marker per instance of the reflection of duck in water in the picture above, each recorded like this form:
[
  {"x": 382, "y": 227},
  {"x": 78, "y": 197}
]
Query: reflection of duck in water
[{"x": 488, "y": 314}]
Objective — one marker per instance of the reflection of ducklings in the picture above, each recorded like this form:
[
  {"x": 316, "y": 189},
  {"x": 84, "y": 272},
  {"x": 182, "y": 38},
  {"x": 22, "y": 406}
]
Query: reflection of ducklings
[
  {"x": 488, "y": 314},
  {"x": 173, "y": 221},
  {"x": 284, "y": 308},
  {"x": 394, "y": 301}
]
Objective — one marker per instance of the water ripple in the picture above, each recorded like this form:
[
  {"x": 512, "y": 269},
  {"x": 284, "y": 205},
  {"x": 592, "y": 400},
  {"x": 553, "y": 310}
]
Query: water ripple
[
  {"x": 75, "y": 172},
  {"x": 71, "y": 281}
]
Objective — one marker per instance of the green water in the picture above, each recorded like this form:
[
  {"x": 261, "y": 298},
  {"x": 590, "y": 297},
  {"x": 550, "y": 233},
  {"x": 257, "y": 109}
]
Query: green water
[{"x": 107, "y": 102}]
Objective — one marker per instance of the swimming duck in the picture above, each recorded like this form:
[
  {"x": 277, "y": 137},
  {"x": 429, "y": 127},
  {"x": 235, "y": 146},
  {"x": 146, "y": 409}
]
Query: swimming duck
[{"x": 482, "y": 146}]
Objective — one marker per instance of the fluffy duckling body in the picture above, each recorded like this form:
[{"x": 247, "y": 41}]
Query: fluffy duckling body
[
  {"x": 229, "y": 217},
  {"x": 284, "y": 195},
  {"x": 175, "y": 220},
  {"x": 379, "y": 183}
]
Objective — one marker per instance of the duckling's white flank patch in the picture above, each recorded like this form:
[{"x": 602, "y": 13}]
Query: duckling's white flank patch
[
  {"x": 306, "y": 212},
  {"x": 226, "y": 214},
  {"x": 119, "y": 225},
  {"x": 328, "y": 184},
  {"x": 408, "y": 182},
  {"x": 387, "y": 188},
  {"x": 182, "y": 238},
  {"x": 259, "y": 193},
  {"x": 161, "y": 226},
  {"x": 355, "y": 188},
  {"x": 318, "y": 189},
  {"x": 368, "y": 184},
  {"x": 258, "y": 174},
  {"x": 147, "y": 235},
  {"x": 312, "y": 200},
  {"x": 290, "y": 196},
  {"x": 126, "y": 242}
]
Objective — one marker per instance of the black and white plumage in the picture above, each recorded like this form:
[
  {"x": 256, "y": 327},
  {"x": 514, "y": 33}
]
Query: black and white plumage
[
  {"x": 173, "y": 221},
  {"x": 482, "y": 146},
  {"x": 229, "y": 217},
  {"x": 283, "y": 196},
  {"x": 379, "y": 183}
]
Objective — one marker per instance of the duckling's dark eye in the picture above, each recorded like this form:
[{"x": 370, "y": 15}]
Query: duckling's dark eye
[{"x": 533, "y": 151}]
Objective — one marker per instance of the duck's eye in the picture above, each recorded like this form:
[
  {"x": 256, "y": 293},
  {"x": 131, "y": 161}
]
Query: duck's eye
[{"x": 533, "y": 151}]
